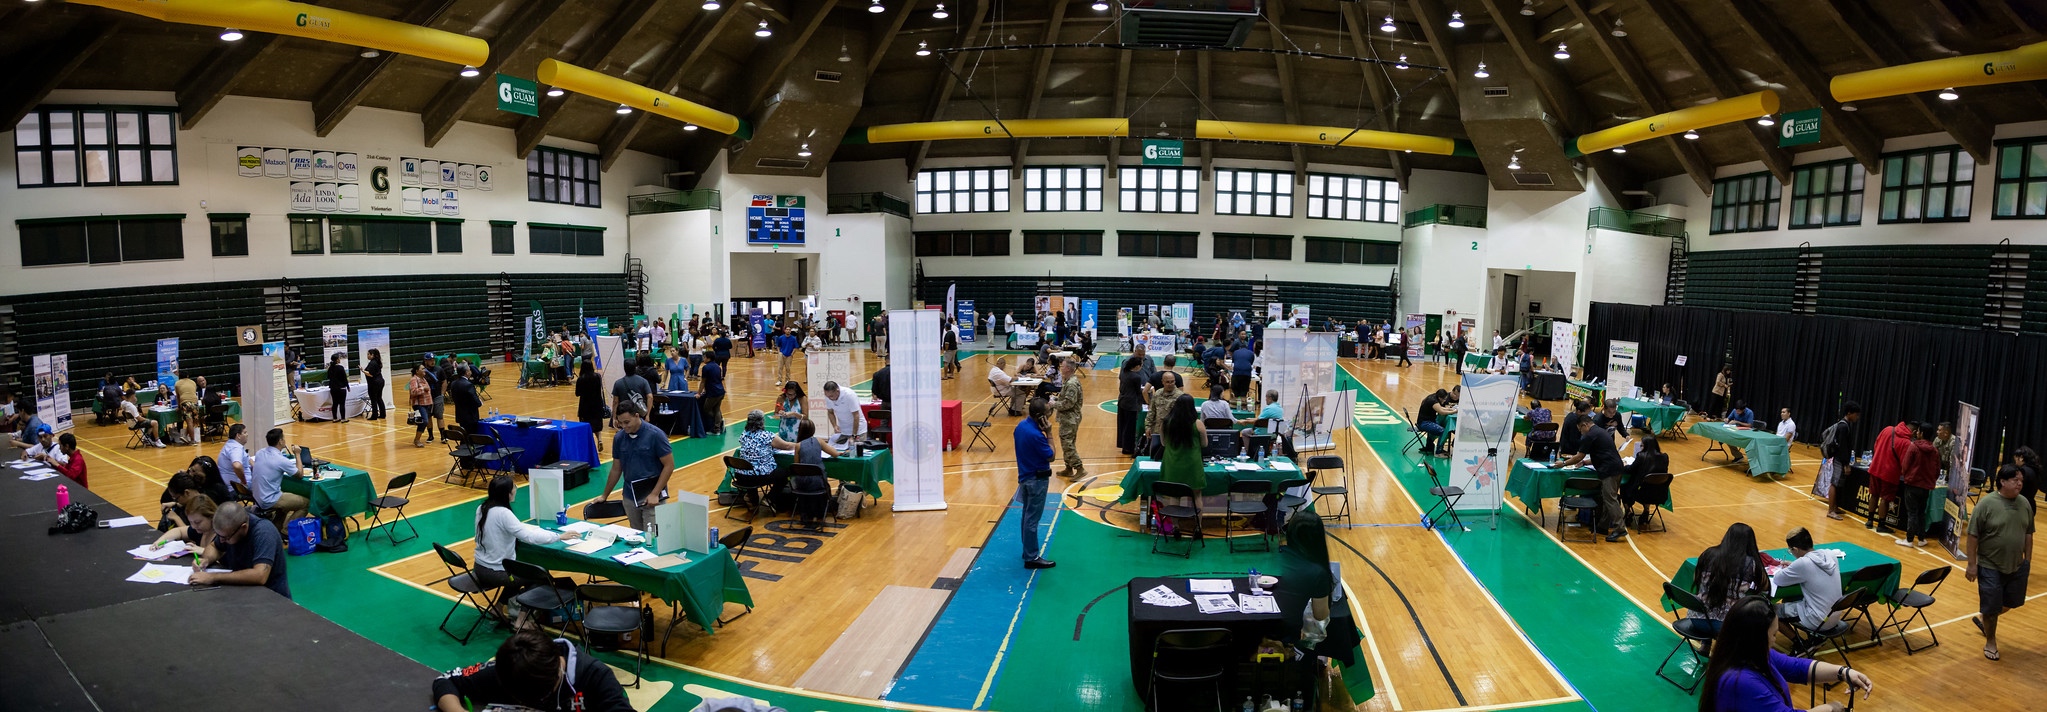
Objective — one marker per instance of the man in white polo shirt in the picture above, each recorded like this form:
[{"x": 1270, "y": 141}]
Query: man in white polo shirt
[{"x": 843, "y": 409}]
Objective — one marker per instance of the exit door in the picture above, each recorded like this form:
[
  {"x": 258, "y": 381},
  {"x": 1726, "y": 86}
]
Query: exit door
[
  {"x": 868, "y": 311},
  {"x": 1510, "y": 290}
]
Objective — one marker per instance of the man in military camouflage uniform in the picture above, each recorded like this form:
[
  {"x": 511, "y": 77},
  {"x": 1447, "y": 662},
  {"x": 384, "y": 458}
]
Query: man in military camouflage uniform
[
  {"x": 1068, "y": 406},
  {"x": 1162, "y": 401}
]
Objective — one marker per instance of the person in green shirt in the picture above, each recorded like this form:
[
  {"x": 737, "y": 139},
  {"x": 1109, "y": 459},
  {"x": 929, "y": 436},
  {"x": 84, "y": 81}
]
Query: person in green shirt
[
  {"x": 1183, "y": 438},
  {"x": 2000, "y": 549}
]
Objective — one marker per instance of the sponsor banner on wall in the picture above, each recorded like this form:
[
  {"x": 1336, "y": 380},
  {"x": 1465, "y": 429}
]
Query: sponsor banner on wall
[
  {"x": 325, "y": 197},
  {"x": 430, "y": 173},
  {"x": 249, "y": 161},
  {"x": 301, "y": 161},
  {"x": 450, "y": 203},
  {"x": 323, "y": 165},
  {"x": 348, "y": 198},
  {"x": 430, "y": 201},
  {"x": 465, "y": 175},
  {"x": 483, "y": 177},
  {"x": 346, "y": 167},
  {"x": 276, "y": 163},
  {"x": 301, "y": 197},
  {"x": 449, "y": 173},
  {"x": 408, "y": 171},
  {"x": 408, "y": 200}
]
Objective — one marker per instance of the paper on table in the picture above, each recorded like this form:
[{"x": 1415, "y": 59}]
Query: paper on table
[
  {"x": 38, "y": 475},
  {"x": 1248, "y": 603},
  {"x": 1211, "y": 585},
  {"x": 591, "y": 546},
  {"x": 1281, "y": 465},
  {"x": 149, "y": 552},
  {"x": 616, "y": 530},
  {"x": 666, "y": 561},
  {"x": 126, "y": 522},
  {"x": 1246, "y": 467},
  {"x": 580, "y": 527},
  {"x": 635, "y": 556},
  {"x": 1162, "y": 596},
  {"x": 167, "y": 573},
  {"x": 1217, "y": 603},
  {"x": 1148, "y": 466}
]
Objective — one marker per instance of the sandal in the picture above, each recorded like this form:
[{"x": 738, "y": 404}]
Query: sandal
[{"x": 1990, "y": 654}]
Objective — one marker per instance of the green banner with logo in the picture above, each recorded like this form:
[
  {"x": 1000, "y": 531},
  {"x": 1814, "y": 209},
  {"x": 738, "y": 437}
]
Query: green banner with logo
[
  {"x": 518, "y": 96},
  {"x": 1162, "y": 152},
  {"x": 1798, "y": 128}
]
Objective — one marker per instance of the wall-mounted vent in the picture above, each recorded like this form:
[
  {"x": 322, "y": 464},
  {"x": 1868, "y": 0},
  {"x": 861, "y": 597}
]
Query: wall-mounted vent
[
  {"x": 797, "y": 164},
  {"x": 1496, "y": 92},
  {"x": 828, "y": 76},
  {"x": 1532, "y": 178}
]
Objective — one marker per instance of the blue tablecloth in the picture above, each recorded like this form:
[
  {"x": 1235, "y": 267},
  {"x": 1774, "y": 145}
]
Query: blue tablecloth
[
  {"x": 551, "y": 442},
  {"x": 684, "y": 414}
]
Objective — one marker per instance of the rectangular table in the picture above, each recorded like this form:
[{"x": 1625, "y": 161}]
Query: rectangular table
[
  {"x": 683, "y": 414},
  {"x": 1856, "y": 559},
  {"x": 551, "y": 441},
  {"x": 1137, "y": 482},
  {"x": 1521, "y": 424},
  {"x": 1547, "y": 385},
  {"x": 1533, "y": 481},
  {"x": 869, "y": 470},
  {"x": 313, "y": 401},
  {"x": 699, "y": 589},
  {"x": 1662, "y": 417},
  {"x": 1247, "y": 630},
  {"x": 1768, "y": 453},
  {"x": 346, "y": 496},
  {"x": 1588, "y": 392}
]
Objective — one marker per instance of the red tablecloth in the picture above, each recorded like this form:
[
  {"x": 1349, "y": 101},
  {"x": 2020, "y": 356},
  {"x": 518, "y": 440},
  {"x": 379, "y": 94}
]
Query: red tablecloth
[{"x": 950, "y": 413}]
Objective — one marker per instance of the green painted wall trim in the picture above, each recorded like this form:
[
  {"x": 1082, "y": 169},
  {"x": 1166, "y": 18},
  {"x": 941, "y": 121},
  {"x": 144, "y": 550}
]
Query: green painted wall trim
[
  {"x": 564, "y": 226},
  {"x": 100, "y": 218}
]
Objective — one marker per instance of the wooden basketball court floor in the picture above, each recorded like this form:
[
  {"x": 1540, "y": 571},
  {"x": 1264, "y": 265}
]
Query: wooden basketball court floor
[{"x": 1480, "y": 619}]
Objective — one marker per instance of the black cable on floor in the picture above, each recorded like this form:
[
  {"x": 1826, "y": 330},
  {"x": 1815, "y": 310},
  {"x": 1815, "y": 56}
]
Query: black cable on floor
[{"x": 1424, "y": 630}]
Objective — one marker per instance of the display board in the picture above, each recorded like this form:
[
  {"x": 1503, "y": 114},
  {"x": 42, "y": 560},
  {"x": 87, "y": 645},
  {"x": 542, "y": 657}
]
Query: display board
[
  {"x": 166, "y": 362},
  {"x": 333, "y": 340},
  {"x": 1413, "y": 324},
  {"x": 1620, "y": 368},
  {"x": 963, "y": 314},
  {"x": 1563, "y": 345},
  {"x": 46, "y": 393},
  {"x": 1183, "y": 316},
  {"x": 916, "y": 397},
  {"x": 278, "y": 375},
  {"x": 1485, "y": 440},
  {"x": 1090, "y": 310},
  {"x": 774, "y": 220}
]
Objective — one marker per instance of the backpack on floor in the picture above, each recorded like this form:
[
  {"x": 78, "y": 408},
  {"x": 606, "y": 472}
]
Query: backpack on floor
[
  {"x": 302, "y": 535},
  {"x": 850, "y": 500},
  {"x": 333, "y": 535}
]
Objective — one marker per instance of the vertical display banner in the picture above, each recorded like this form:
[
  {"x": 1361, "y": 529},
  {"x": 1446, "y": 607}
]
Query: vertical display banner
[
  {"x": 46, "y": 392},
  {"x": 963, "y": 314},
  {"x": 1272, "y": 311},
  {"x": 757, "y": 326},
  {"x": 536, "y": 328},
  {"x": 1090, "y": 313},
  {"x": 1563, "y": 345},
  {"x": 1183, "y": 316},
  {"x": 526, "y": 354},
  {"x": 1485, "y": 440},
  {"x": 1620, "y": 367},
  {"x": 1317, "y": 375},
  {"x": 379, "y": 339},
  {"x": 60, "y": 391},
  {"x": 1285, "y": 349},
  {"x": 166, "y": 362},
  {"x": 1299, "y": 318},
  {"x": 1956, "y": 505},
  {"x": 1412, "y": 324},
  {"x": 591, "y": 330},
  {"x": 919, "y": 434},
  {"x": 610, "y": 357},
  {"x": 951, "y": 309},
  {"x": 333, "y": 340},
  {"x": 279, "y": 378},
  {"x": 1042, "y": 306},
  {"x": 833, "y": 365}
]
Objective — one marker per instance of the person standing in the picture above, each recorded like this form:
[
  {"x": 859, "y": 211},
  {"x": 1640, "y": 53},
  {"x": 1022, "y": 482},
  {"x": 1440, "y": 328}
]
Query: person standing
[
  {"x": 437, "y": 378},
  {"x": 2000, "y": 549},
  {"x": 948, "y": 350},
  {"x": 1921, "y": 475},
  {"x": 419, "y": 393},
  {"x": 468, "y": 405},
  {"x": 1033, "y": 478},
  {"x": 1242, "y": 359},
  {"x": 1596, "y": 445},
  {"x": 373, "y": 375},
  {"x": 337, "y": 388},
  {"x": 590, "y": 400},
  {"x": 880, "y": 387},
  {"x": 786, "y": 343},
  {"x": 1723, "y": 386},
  {"x": 1886, "y": 467},
  {"x": 881, "y": 335},
  {"x": 711, "y": 381},
  {"x": 1182, "y": 437},
  {"x": 1129, "y": 406},
  {"x": 642, "y": 458},
  {"x": 1458, "y": 345},
  {"x": 1837, "y": 450},
  {"x": 1069, "y": 407},
  {"x": 1162, "y": 399}
]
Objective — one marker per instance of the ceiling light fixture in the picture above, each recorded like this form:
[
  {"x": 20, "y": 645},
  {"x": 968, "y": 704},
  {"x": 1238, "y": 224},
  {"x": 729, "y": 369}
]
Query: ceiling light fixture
[
  {"x": 1528, "y": 8},
  {"x": 1387, "y": 26},
  {"x": 940, "y": 13},
  {"x": 1949, "y": 94},
  {"x": 1563, "y": 52},
  {"x": 1456, "y": 20},
  {"x": 368, "y": 53},
  {"x": 623, "y": 109},
  {"x": 1620, "y": 149},
  {"x": 470, "y": 71},
  {"x": 844, "y": 56},
  {"x": 875, "y": 7},
  {"x": 710, "y": 5},
  {"x": 230, "y": 35},
  {"x": 1481, "y": 73},
  {"x": 1514, "y": 163},
  {"x": 803, "y": 152},
  {"x": 1691, "y": 135},
  {"x": 1100, "y": 6},
  {"x": 1766, "y": 120},
  {"x": 1617, "y": 29},
  {"x": 555, "y": 91},
  {"x": 763, "y": 31},
  {"x": 1402, "y": 64},
  {"x": 1848, "y": 107},
  {"x": 923, "y": 50},
  {"x": 689, "y": 127}
]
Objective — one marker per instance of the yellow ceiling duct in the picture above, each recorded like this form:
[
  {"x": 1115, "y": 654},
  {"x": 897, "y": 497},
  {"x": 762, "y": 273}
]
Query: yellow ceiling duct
[
  {"x": 609, "y": 88},
  {"x": 311, "y": 22},
  {"x": 1724, "y": 111},
  {"x": 1016, "y": 128},
  {"x": 1331, "y": 136},
  {"x": 2023, "y": 64}
]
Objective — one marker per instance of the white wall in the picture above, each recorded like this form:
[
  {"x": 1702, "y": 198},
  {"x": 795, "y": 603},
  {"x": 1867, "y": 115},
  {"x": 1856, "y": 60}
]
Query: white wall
[
  {"x": 1624, "y": 268},
  {"x": 864, "y": 254},
  {"x": 208, "y": 183},
  {"x": 1440, "y": 273},
  {"x": 1556, "y": 291}
]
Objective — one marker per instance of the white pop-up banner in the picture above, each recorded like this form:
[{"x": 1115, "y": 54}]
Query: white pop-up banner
[
  {"x": 1563, "y": 345},
  {"x": 1485, "y": 440},
  {"x": 264, "y": 401},
  {"x": 918, "y": 433},
  {"x": 1620, "y": 367},
  {"x": 333, "y": 340}
]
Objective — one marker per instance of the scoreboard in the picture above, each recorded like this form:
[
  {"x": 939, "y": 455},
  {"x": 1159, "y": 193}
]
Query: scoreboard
[{"x": 774, "y": 220}]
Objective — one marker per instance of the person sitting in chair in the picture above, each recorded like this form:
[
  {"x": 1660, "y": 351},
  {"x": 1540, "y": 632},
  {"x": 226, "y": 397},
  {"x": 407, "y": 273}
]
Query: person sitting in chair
[
  {"x": 250, "y": 547},
  {"x": 1268, "y": 417},
  {"x": 152, "y": 431},
  {"x": 533, "y": 672}
]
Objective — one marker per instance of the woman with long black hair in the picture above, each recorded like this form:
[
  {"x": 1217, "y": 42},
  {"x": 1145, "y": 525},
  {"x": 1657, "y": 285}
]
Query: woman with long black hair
[
  {"x": 1129, "y": 406},
  {"x": 1728, "y": 571},
  {"x": 1747, "y": 675},
  {"x": 498, "y": 532},
  {"x": 1183, "y": 438},
  {"x": 373, "y": 374},
  {"x": 590, "y": 400}
]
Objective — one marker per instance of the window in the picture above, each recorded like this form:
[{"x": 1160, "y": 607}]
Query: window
[
  {"x": 1264, "y": 193},
  {"x": 447, "y": 237},
  {"x": 1746, "y": 203},
  {"x": 1232, "y": 246},
  {"x": 1333, "y": 250},
  {"x": 564, "y": 240},
  {"x": 66, "y": 146},
  {"x": 1929, "y": 185},
  {"x": 963, "y": 243},
  {"x": 556, "y": 175},
  {"x": 345, "y": 237},
  {"x": 308, "y": 236},
  {"x": 1826, "y": 194},
  {"x": 230, "y": 235},
  {"x": 501, "y": 237},
  {"x": 101, "y": 240},
  {"x": 1062, "y": 242},
  {"x": 1056, "y": 189},
  {"x": 1339, "y": 197},
  {"x": 1140, "y": 243},
  {"x": 2021, "y": 180},
  {"x": 1158, "y": 190},
  {"x": 963, "y": 190}
]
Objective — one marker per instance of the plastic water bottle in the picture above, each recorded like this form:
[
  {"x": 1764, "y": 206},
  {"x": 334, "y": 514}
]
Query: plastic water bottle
[
  {"x": 1250, "y": 706},
  {"x": 63, "y": 497},
  {"x": 1254, "y": 582}
]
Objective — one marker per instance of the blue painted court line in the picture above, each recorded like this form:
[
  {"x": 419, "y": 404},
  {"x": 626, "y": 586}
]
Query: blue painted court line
[{"x": 952, "y": 664}]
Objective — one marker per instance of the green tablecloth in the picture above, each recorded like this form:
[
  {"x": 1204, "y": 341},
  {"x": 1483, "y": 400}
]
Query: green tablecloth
[
  {"x": 868, "y": 471},
  {"x": 1532, "y": 481},
  {"x": 1521, "y": 424},
  {"x": 473, "y": 359},
  {"x": 536, "y": 370},
  {"x": 699, "y": 589},
  {"x": 169, "y": 418},
  {"x": 347, "y": 496},
  {"x": 1661, "y": 417},
  {"x": 1768, "y": 454},
  {"x": 1137, "y": 482},
  {"x": 1477, "y": 359},
  {"x": 1856, "y": 559},
  {"x": 1580, "y": 390}
]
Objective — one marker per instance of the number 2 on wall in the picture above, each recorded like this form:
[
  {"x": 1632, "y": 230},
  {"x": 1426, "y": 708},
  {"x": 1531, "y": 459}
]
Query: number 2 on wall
[{"x": 1474, "y": 246}]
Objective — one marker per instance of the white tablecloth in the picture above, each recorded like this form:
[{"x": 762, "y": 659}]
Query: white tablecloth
[{"x": 313, "y": 403}]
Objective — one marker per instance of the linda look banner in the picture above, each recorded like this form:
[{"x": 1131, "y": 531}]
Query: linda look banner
[{"x": 333, "y": 181}]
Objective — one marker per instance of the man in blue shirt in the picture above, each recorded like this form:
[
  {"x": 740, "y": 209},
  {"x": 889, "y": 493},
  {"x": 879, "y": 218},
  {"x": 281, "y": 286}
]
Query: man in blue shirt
[
  {"x": 1268, "y": 418},
  {"x": 1741, "y": 414},
  {"x": 249, "y": 546},
  {"x": 1240, "y": 371},
  {"x": 787, "y": 343},
  {"x": 1033, "y": 475},
  {"x": 272, "y": 465},
  {"x": 640, "y": 455}
]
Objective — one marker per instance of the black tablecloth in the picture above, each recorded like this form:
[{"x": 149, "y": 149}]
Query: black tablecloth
[
  {"x": 62, "y": 573},
  {"x": 1246, "y": 630},
  {"x": 1547, "y": 385}
]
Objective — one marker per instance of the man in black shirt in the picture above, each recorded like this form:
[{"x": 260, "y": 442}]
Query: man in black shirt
[
  {"x": 1596, "y": 446},
  {"x": 880, "y": 386},
  {"x": 533, "y": 672},
  {"x": 337, "y": 388},
  {"x": 250, "y": 547},
  {"x": 1427, "y": 418},
  {"x": 1567, "y": 436}
]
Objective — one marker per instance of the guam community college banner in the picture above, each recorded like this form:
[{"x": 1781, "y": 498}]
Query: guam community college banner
[{"x": 919, "y": 434}]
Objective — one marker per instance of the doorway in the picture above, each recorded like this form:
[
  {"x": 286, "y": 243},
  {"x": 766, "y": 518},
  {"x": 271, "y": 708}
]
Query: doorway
[{"x": 1510, "y": 295}]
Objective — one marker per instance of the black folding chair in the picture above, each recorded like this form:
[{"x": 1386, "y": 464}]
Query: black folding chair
[
  {"x": 1319, "y": 464},
  {"x": 1868, "y": 578},
  {"x": 1247, "y": 500},
  {"x": 1834, "y": 629},
  {"x": 1446, "y": 499},
  {"x": 606, "y": 611},
  {"x": 736, "y": 543},
  {"x": 1415, "y": 437},
  {"x": 1540, "y": 448},
  {"x": 396, "y": 504},
  {"x": 754, "y": 499},
  {"x": 1694, "y": 634},
  {"x": 1581, "y": 494},
  {"x": 215, "y": 422},
  {"x": 812, "y": 494},
  {"x": 1176, "y": 501},
  {"x": 1652, "y": 490},
  {"x": 980, "y": 427},
  {"x": 1911, "y": 597},
  {"x": 545, "y": 591},
  {"x": 1182, "y": 660},
  {"x": 1289, "y": 503},
  {"x": 468, "y": 591}
]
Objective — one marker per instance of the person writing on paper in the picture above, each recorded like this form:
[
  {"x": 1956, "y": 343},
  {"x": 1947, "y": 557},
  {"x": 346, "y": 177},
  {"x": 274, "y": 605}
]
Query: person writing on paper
[
  {"x": 273, "y": 464},
  {"x": 1726, "y": 572},
  {"x": 808, "y": 448},
  {"x": 842, "y": 410},
  {"x": 129, "y": 412},
  {"x": 1816, "y": 573},
  {"x": 1596, "y": 447},
  {"x": 1747, "y": 674},
  {"x": 197, "y": 531},
  {"x": 44, "y": 445},
  {"x": 249, "y": 547},
  {"x": 642, "y": 458},
  {"x": 498, "y": 532}
]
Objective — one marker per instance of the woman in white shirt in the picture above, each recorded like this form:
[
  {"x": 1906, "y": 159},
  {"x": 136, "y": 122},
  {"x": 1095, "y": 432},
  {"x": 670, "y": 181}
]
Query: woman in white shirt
[{"x": 498, "y": 532}]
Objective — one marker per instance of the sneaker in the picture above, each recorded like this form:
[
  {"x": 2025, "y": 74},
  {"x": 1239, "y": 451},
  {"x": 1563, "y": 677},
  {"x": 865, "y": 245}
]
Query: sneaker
[
  {"x": 1835, "y": 516},
  {"x": 1869, "y": 524},
  {"x": 1901, "y": 542},
  {"x": 1885, "y": 529},
  {"x": 158, "y": 443},
  {"x": 1921, "y": 543},
  {"x": 1617, "y": 535}
]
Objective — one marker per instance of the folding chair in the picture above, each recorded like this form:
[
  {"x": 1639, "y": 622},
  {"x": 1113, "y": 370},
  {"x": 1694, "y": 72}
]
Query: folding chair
[
  {"x": 1581, "y": 494},
  {"x": 1446, "y": 499},
  {"x": 1315, "y": 466},
  {"x": 462, "y": 457},
  {"x": 1291, "y": 503},
  {"x": 1911, "y": 597},
  {"x": 736, "y": 543},
  {"x": 468, "y": 590},
  {"x": 753, "y": 498},
  {"x": 507, "y": 455},
  {"x": 215, "y": 422},
  {"x": 545, "y": 591},
  {"x": 980, "y": 427},
  {"x": 1867, "y": 579},
  {"x": 605, "y": 611},
  {"x": 1693, "y": 634},
  {"x": 1834, "y": 629},
  {"x": 1416, "y": 438},
  {"x": 1176, "y": 501},
  {"x": 1184, "y": 658},
  {"x": 812, "y": 493},
  {"x": 1654, "y": 488},
  {"x": 488, "y": 459},
  {"x": 397, "y": 503},
  {"x": 1547, "y": 445},
  {"x": 1247, "y": 499}
]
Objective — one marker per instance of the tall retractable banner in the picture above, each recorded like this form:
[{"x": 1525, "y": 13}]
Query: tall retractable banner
[
  {"x": 1183, "y": 316},
  {"x": 60, "y": 391},
  {"x": 1563, "y": 345},
  {"x": 274, "y": 379},
  {"x": 952, "y": 290},
  {"x": 46, "y": 401},
  {"x": 826, "y": 366},
  {"x": 611, "y": 359},
  {"x": 918, "y": 432},
  {"x": 963, "y": 316},
  {"x": 166, "y": 362},
  {"x": 333, "y": 340},
  {"x": 1090, "y": 312},
  {"x": 591, "y": 329},
  {"x": 1620, "y": 367},
  {"x": 1285, "y": 350},
  {"x": 1485, "y": 440},
  {"x": 1957, "y": 504},
  {"x": 1413, "y": 325},
  {"x": 379, "y": 339}
]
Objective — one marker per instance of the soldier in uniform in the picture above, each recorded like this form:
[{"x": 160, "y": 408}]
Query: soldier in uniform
[
  {"x": 1162, "y": 401},
  {"x": 1069, "y": 408}
]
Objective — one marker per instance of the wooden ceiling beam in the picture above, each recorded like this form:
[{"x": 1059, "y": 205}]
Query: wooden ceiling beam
[
  {"x": 1520, "y": 33},
  {"x": 1286, "y": 86},
  {"x": 1122, "y": 104},
  {"x": 746, "y": 96},
  {"x": 1040, "y": 70},
  {"x": 1435, "y": 29},
  {"x": 454, "y": 99},
  {"x": 596, "y": 55},
  {"x": 674, "y": 67},
  {"x": 1961, "y": 122},
  {"x": 1385, "y": 113},
  {"x": 212, "y": 81},
  {"x": 888, "y": 35},
  {"x": 1703, "y": 61},
  {"x": 1648, "y": 94},
  {"x": 347, "y": 88},
  {"x": 942, "y": 88},
  {"x": 41, "y": 72},
  {"x": 1807, "y": 82}
]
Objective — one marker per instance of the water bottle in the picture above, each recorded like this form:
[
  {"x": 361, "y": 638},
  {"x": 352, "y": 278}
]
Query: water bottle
[
  {"x": 714, "y": 535},
  {"x": 63, "y": 497},
  {"x": 1297, "y": 705},
  {"x": 561, "y": 518},
  {"x": 1254, "y": 582},
  {"x": 1249, "y": 706}
]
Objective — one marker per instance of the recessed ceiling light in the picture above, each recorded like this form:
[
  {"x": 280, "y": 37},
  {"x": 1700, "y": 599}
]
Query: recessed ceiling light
[
  {"x": 1766, "y": 120},
  {"x": 1387, "y": 26},
  {"x": 469, "y": 71},
  {"x": 1456, "y": 20},
  {"x": 555, "y": 91},
  {"x": 803, "y": 152},
  {"x": 1617, "y": 29},
  {"x": 922, "y": 50},
  {"x": 623, "y": 109},
  {"x": 1481, "y": 73},
  {"x": 1848, "y": 107},
  {"x": 940, "y": 13},
  {"x": 1563, "y": 52},
  {"x": 1949, "y": 94},
  {"x": 1620, "y": 149},
  {"x": 763, "y": 31},
  {"x": 710, "y": 5},
  {"x": 1100, "y": 6},
  {"x": 369, "y": 53},
  {"x": 876, "y": 7},
  {"x": 1691, "y": 135},
  {"x": 230, "y": 35}
]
